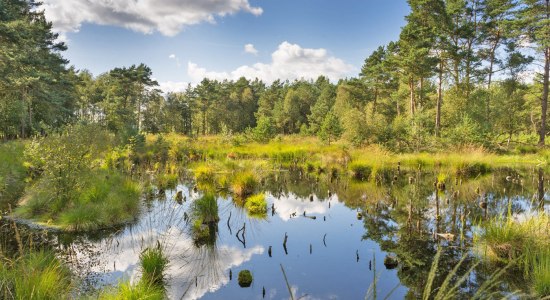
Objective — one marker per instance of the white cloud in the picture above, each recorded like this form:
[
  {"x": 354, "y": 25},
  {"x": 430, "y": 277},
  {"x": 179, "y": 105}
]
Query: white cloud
[
  {"x": 177, "y": 59},
  {"x": 285, "y": 206},
  {"x": 289, "y": 61},
  {"x": 168, "y": 17},
  {"x": 249, "y": 48},
  {"x": 173, "y": 86}
]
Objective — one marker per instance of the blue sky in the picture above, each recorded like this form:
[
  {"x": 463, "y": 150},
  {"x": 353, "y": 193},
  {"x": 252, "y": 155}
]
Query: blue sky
[{"x": 185, "y": 40}]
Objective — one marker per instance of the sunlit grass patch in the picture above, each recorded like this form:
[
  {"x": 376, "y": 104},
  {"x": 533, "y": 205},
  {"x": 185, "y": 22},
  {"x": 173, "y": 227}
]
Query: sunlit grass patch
[
  {"x": 37, "y": 275},
  {"x": 244, "y": 183},
  {"x": 106, "y": 199},
  {"x": 256, "y": 205}
]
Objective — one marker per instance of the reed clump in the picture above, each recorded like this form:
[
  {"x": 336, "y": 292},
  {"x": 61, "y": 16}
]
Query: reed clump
[
  {"x": 521, "y": 241},
  {"x": 256, "y": 205},
  {"x": 35, "y": 275}
]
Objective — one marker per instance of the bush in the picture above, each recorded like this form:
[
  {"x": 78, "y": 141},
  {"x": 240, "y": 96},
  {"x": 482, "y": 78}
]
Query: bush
[
  {"x": 12, "y": 172},
  {"x": 264, "y": 130}
]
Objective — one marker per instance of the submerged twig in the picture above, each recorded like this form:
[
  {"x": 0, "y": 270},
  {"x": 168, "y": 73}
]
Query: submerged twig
[{"x": 286, "y": 280}]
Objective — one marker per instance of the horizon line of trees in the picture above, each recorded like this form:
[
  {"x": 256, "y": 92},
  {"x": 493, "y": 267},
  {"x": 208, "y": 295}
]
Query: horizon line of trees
[{"x": 454, "y": 76}]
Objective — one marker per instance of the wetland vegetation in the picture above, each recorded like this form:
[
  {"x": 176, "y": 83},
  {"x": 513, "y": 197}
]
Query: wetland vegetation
[{"x": 425, "y": 177}]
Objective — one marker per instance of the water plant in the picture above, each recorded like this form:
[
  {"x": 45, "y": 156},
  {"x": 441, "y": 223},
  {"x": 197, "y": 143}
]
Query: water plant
[
  {"x": 104, "y": 199},
  {"x": 205, "y": 209},
  {"x": 245, "y": 278},
  {"x": 153, "y": 264},
  {"x": 244, "y": 183},
  {"x": 126, "y": 291},
  {"x": 541, "y": 274},
  {"x": 256, "y": 205},
  {"x": 36, "y": 275},
  {"x": 523, "y": 242}
]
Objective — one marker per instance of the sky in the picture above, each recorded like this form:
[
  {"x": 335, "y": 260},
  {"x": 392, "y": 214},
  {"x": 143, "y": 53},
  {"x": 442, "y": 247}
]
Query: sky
[{"x": 184, "y": 41}]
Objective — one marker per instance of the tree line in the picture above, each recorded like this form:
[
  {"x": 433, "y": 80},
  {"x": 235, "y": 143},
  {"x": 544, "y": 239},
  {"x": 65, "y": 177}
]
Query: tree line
[{"x": 456, "y": 75}]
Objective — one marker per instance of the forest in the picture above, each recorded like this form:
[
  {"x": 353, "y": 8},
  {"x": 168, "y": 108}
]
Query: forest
[
  {"x": 436, "y": 149},
  {"x": 462, "y": 72}
]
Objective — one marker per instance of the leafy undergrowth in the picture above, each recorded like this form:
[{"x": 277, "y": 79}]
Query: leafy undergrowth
[{"x": 12, "y": 172}]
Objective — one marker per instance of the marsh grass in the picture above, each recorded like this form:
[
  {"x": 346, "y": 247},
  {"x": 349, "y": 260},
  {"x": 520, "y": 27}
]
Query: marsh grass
[
  {"x": 541, "y": 274},
  {"x": 106, "y": 199},
  {"x": 256, "y": 206},
  {"x": 127, "y": 291},
  {"x": 450, "y": 288},
  {"x": 153, "y": 264},
  {"x": 36, "y": 275},
  {"x": 244, "y": 183},
  {"x": 151, "y": 286},
  {"x": 524, "y": 242}
]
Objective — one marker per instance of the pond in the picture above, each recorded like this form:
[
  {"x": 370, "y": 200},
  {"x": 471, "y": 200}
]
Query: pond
[{"x": 345, "y": 239}]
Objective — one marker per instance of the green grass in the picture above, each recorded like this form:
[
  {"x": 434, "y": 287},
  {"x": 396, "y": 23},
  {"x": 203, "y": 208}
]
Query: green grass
[
  {"x": 127, "y": 291},
  {"x": 151, "y": 285},
  {"x": 205, "y": 209},
  {"x": 38, "y": 275},
  {"x": 541, "y": 274},
  {"x": 524, "y": 243},
  {"x": 106, "y": 199},
  {"x": 256, "y": 205},
  {"x": 244, "y": 183},
  {"x": 153, "y": 264},
  {"x": 360, "y": 171}
]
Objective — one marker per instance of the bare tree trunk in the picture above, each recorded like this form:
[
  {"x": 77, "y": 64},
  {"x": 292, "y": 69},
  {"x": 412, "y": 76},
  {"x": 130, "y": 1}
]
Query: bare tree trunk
[
  {"x": 439, "y": 100},
  {"x": 374, "y": 102},
  {"x": 411, "y": 88},
  {"x": 544, "y": 98}
]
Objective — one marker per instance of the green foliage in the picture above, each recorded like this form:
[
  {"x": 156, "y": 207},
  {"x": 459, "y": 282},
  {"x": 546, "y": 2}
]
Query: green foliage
[
  {"x": 153, "y": 264},
  {"x": 330, "y": 128},
  {"x": 244, "y": 183},
  {"x": 264, "y": 130},
  {"x": 62, "y": 159},
  {"x": 37, "y": 275},
  {"x": 523, "y": 242},
  {"x": 541, "y": 274},
  {"x": 12, "y": 172},
  {"x": 103, "y": 199},
  {"x": 256, "y": 205},
  {"x": 205, "y": 209},
  {"x": 360, "y": 171},
  {"x": 139, "y": 291}
]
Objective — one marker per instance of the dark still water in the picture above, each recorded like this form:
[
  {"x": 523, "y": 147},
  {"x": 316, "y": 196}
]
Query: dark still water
[{"x": 340, "y": 244}]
